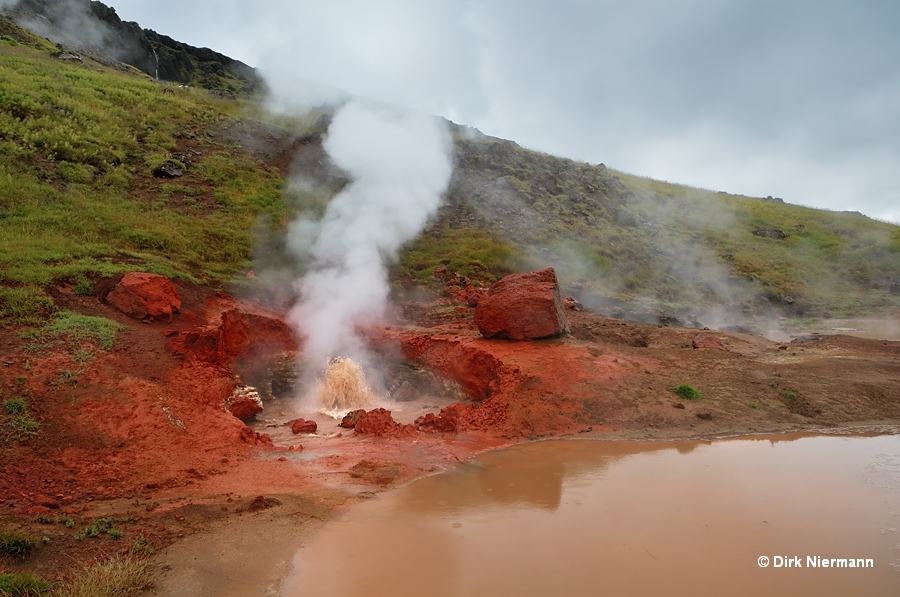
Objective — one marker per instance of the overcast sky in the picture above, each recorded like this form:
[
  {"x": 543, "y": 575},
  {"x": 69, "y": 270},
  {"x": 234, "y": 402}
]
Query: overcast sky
[{"x": 798, "y": 99}]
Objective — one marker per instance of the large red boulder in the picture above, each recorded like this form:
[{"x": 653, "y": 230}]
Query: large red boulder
[
  {"x": 142, "y": 295},
  {"x": 522, "y": 307}
]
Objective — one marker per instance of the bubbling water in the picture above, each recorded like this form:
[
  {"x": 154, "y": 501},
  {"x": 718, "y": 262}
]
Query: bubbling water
[{"x": 343, "y": 388}]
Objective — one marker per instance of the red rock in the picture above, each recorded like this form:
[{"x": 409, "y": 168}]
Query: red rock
[
  {"x": 707, "y": 341},
  {"x": 303, "y": 426},
  {"x": 522, "y": 307},
  {"x": 569, "y": 302},
  {"x": 377, "y": 421},
  {"x": 143, "y": 295},
  {"x": 37, "y": 510},
  {"x": 241, "y": 331},
  {"x": 244, "y": 403},
  {"x": 46, "y": 501}
]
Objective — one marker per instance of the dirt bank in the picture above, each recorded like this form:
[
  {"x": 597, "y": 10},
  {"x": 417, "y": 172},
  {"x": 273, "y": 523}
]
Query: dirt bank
[{"x": 139, "y": 434}]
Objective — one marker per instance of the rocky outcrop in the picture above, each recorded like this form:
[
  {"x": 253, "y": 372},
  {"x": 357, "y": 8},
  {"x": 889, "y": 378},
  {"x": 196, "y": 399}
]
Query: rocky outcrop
[
  {"x": 244, "y": 402},
  {"x": 523, "y": 306},
  {"x": 708, "y": 341},
  {"x": 145, "y": 296},
  {"x": 95, "y": 30},
  {"x": 244, "y": 336}
]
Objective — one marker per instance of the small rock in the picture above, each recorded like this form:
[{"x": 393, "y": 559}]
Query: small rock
[
  {"x": 168, "y": 169},
  {"x": 678, "y": 405},
  {"x": 707, "y": 341},
  {"x": 705, "y": 415},
  {"x": 351, "y": 418},
  {"x": 303, "y": 426},
  {"x": 405, "y": 393},
  {"x": 244, "y": 402}
]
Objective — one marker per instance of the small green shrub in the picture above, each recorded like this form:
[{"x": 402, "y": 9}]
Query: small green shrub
[
  {"x": 687, "y": 392},
  {"x": 15, "y": 406},
  {"x": 23, "y": 427},
  {"x": 754, "y": 405},
  {"x": 788, "y": 395},
  {"x": 84, "y": 287},
  {"x": 142, "y": 546},
  {"x": 16, "y": 544},
  {"x": 23, "y": 585}
]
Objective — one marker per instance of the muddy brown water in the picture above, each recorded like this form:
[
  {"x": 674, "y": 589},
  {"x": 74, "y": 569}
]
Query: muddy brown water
[{"x": 627, "y": 518}]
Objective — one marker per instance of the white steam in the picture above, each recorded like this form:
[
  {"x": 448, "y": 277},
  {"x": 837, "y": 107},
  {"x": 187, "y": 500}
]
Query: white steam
[{"x": 400, "y": 165}]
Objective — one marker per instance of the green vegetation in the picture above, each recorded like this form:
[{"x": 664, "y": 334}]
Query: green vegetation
[
  {"x": 754, "y": 405},
  {"x": 77, "y": 329},
  {"x": 79, "y": 203},
  {"x": 15, "y": 544},
  {"x": 686, "y": 392},
  {"x": 77, "y": 197},
  {"x": 789, "y": 395},
  {"x": 19, "y": 425},
  {"x": 101, "y": 526},
  {"x": 15, "y": 406},
  {"x": 23, "y": 585}
]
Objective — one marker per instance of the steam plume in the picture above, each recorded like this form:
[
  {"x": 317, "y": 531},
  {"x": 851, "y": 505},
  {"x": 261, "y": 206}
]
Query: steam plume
[{"x": 400, "y": 165}]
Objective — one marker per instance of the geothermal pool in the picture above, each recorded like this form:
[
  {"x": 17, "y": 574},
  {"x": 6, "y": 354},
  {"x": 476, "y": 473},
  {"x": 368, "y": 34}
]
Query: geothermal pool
[{"x": 628, "y": 518}]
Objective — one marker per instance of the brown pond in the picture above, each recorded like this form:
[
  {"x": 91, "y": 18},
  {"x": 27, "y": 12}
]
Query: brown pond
[{"x": 627, "y": 518}]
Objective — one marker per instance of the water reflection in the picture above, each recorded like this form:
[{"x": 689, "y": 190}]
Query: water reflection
[{"x": 675, "y": 518}]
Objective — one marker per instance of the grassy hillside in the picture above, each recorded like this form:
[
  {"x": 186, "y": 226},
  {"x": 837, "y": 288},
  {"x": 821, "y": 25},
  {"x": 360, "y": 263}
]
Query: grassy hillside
[
  {"x": 79, "y": 143},
  {"x": 619, "y": 240}
]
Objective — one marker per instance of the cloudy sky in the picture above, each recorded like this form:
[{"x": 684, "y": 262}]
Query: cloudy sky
[{"x": 797, "y": 99}]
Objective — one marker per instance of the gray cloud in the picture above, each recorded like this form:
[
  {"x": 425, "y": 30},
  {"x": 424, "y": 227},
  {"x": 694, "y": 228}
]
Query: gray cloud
[{"x": 798, "y": 99}]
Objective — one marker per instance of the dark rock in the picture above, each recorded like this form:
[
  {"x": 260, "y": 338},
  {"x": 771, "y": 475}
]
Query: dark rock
[
  {"x": 522, "y": 307},
  {"x": 168, "y": 169},
  {"x": 705, "y": 415},
  {"x": 770, "y": 233}
]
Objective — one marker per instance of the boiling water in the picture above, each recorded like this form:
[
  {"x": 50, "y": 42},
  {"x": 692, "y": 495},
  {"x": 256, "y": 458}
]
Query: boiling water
[
  {"x": 343, "y": 388},
  {"x": 627, "y": 518}
]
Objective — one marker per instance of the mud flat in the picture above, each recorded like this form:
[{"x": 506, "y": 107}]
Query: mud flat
[{"x": 780, "y": 515}]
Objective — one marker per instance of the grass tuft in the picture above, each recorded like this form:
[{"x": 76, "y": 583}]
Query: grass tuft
[
  {"x": 16, "y": 544},
  {"x": 122, "y": 576},
  {"x": 686, "y": 392},
  {"x": 23, "y": 585}
]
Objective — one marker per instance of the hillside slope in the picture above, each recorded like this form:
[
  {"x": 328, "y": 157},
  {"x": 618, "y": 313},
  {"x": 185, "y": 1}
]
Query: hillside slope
[{"x": 79, "y": 200}]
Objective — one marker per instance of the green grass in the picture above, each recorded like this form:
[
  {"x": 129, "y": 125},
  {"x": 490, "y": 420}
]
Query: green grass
[
  {"x": 23, "y": 585},
  {"x": 78, "y": 203},
  {"x": 15, "y": 406},
  {"x": 77, "y": 200},
  {"x": 686, "y": 392},
  {"x": 16, "y": 544},
  {"x": 77, "y": 329}
]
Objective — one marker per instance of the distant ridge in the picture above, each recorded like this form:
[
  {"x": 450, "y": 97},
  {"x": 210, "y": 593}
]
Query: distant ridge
[{"x": 95, "y": 29}]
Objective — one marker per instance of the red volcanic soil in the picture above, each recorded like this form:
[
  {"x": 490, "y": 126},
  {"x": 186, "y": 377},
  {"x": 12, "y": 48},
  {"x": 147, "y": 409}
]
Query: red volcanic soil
[{"x": 141, "y": 433}]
